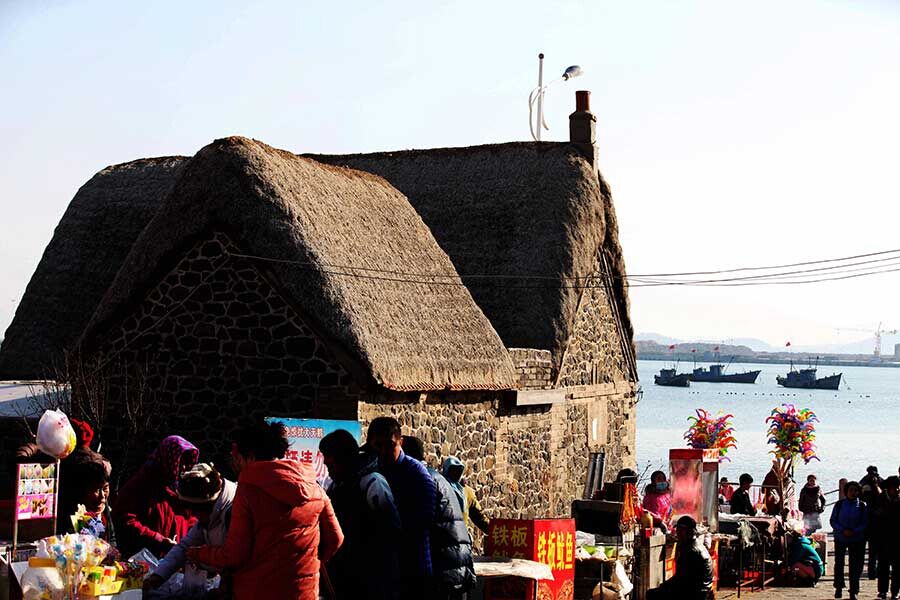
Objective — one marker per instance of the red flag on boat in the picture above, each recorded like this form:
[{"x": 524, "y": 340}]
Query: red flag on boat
[
  {"x": 716, "y": 349},
  {"x": 693, "y": 350},
  {"x": 787, "y": 345},
  {"x": 672, "y": 347}
]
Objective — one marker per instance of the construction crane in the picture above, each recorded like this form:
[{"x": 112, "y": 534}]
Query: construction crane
[{"x": 878, "y": 333}]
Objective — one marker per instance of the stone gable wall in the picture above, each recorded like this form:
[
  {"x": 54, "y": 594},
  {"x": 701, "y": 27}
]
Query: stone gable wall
[
  {"x": 595, "y": 353},
  {"x": 214, "y": 343}
]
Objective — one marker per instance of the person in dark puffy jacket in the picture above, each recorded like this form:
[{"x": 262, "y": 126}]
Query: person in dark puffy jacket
[
  {"x": 850, "y": 521},
  {"x": 886, "y": 514},
  {"x": 871, "y": 490},
  {"x": 451, "y": 545},
  {"x": 693, "y": 579},
  {"x": 366, "y": 567},
  {"x": 811, "y": 504},
  {"x": 415, "y": 496},
  {"x": 453, "y": 470},
  {"x": 741, "y": 504}
]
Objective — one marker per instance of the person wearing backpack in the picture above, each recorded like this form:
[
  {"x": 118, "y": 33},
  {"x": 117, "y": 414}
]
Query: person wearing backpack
[
  {"x": 367, "y": 565},
  {"x": 849, "y": 520}
]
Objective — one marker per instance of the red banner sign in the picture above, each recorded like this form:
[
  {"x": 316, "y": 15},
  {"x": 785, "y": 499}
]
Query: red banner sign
[{"x": 548, "y": 541}]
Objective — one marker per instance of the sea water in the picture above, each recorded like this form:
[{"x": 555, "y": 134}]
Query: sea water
[{"x": 859, "y": 424}]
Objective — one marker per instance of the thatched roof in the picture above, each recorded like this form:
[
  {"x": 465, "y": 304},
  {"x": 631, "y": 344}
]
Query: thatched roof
[
  {"x": 514, "y": 209},
  {"x": 88, "y": 247},
  {"x": 410, "y": 334}
]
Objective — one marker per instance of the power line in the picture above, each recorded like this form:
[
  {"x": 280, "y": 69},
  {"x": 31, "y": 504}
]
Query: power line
[
  {"x": 801, "y": 274},
  {"x": 774, "y": 282},
  {"x": 771, "y": 267},
  {"x": 659, "y": 279}
]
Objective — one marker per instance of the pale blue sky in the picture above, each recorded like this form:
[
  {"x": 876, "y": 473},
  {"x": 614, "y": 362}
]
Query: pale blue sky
[{"x": 732, "y": 133}]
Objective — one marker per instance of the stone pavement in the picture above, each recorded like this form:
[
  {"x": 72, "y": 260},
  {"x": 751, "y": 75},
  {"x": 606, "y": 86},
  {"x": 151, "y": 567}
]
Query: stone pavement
[{"x": 825, "y": 589}]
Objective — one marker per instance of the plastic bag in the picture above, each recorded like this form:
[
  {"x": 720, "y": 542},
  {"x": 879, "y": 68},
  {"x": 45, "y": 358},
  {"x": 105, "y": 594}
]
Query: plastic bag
[
  {"x": 620, "y": 579},
  {"x": 194, "y": 582},
  {"x": 42, "y": 581},
  {"x": 55, "y": 435}
]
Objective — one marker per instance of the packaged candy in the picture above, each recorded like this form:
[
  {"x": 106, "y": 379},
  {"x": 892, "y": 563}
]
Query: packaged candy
[
  {"x": 55, "y": 435},
  {"x": 68, "y": 555},
  {"x": 133, "y": 571},
  {"x": 100, "y": 581}
]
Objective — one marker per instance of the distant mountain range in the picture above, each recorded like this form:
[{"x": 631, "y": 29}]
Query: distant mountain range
[{"x": 744, "y": 346}]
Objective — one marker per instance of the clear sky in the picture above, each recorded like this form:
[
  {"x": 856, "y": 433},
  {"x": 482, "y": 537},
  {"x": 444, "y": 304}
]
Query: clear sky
[{"x": 732, "y": 133}]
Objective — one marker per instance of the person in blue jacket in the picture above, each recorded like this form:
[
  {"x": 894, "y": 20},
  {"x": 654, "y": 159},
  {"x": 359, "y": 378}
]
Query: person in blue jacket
[{"x": 849, "y": 520}]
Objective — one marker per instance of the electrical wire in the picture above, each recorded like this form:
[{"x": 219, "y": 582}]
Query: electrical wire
[
  {"x": 661, "y": 279},
  {"x": 804, "y": 273},
  {"x": 787, "y": 266},
  {"x": 760, "y": 283}
]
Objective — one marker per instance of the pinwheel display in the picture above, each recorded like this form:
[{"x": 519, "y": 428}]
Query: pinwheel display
[
  {"x": 793, "y": 433},
  {"x": 708, "y": 431}
]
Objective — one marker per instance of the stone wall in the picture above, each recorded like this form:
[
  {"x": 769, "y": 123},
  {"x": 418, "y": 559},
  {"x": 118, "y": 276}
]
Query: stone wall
[
  {"x": 595, "y": 353},
  {"x": 523, "y": 461},
  {"x": 213, "y": 344},
  {"x": 534, "y": 368},
  {"x": 622, "y": 428}
]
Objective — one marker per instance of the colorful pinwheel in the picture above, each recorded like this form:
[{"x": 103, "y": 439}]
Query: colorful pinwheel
[
  {"x": 707, "y": 431},
  {"x": 793, "y": 433}
]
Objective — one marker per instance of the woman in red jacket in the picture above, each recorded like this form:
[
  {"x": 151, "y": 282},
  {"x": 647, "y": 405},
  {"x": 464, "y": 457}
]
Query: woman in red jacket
[
  {"x": 282, "y": 524},
  {"x": 148, "y": 513}
]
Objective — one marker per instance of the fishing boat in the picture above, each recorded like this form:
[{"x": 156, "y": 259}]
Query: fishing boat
[
  {"x": 716, "y": 374},
  {"x": 671, "y": 378},
  {"x": 806, "y": 379}
]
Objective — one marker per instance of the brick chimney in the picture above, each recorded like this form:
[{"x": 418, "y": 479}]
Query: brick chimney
[{"x": 583, "y": 126}]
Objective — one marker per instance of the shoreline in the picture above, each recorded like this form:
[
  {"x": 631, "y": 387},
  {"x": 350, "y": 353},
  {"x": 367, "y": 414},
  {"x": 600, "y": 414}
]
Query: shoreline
[{"x": 778, "y": 360}]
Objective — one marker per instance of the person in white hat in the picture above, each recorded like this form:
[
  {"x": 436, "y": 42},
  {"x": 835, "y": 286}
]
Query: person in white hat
[{"x": 210, "y": 496}]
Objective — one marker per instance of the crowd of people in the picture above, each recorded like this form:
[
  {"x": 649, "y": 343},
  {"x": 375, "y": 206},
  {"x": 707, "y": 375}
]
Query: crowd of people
[
  {"x": 385, "y": 525},
  {"x": 868, "y": 515}
]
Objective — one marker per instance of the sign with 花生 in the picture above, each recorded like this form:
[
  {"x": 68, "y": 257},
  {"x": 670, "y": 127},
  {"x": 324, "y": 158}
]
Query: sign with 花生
[{"x": 304, "y": 436}]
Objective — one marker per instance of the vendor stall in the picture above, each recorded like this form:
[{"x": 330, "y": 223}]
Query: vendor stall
[
  {"x": 694, "y": 475},
  {"x": 547, "y": 541}
]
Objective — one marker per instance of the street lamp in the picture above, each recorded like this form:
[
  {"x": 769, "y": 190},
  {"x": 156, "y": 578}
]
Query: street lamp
[{"x": 537, "y": 96}]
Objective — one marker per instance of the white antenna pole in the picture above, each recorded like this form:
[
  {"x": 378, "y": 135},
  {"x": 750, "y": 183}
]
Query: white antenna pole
[{"x": 540, "y": 98}]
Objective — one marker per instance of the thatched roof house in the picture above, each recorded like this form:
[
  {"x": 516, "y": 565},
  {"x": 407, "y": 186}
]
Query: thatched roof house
[
  {"x": 523, "y": 223},
  {"x": 88, "y": 247},
  {"x": 477, "y": 294},
  {"x": 317, "y": 230}
]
